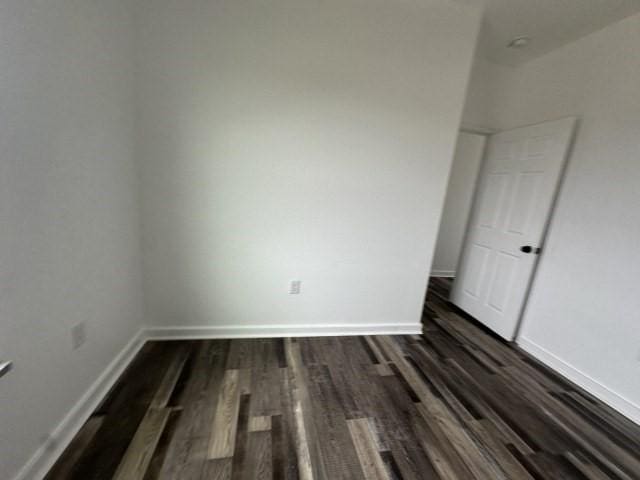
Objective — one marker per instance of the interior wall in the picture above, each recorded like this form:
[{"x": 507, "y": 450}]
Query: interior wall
[
  {"x": 296, "y": 140},
  {"x": 484, "y": 92},
  {"x": 69, "y": 249},
  {"x": 582, "y": 316},
  {"x": 457, "y": 205}
]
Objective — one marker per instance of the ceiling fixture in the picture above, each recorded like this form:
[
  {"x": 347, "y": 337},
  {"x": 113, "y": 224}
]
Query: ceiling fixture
[{"x": 519, "y": 42}]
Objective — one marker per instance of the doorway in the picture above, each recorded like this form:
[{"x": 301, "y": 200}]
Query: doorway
[
  {"x": 506, "y": 221},
  {"x": 458, "y": 202}
]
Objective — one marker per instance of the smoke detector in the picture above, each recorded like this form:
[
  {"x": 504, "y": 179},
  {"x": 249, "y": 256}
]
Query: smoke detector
[{"x": 519, "y": 42}]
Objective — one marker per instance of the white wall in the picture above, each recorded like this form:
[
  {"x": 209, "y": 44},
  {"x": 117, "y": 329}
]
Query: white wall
[
  {"x": 296, "y": 140},
  {"x": 457, "y": 204},
  {"x": 69, "y": 244},
  {"x": 481, "y": 92},
  {"x": 485, "y": 94},
  {"x": 583, "y": 312}
]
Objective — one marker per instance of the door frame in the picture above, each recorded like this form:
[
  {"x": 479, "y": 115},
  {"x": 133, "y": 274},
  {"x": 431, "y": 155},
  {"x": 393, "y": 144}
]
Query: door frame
[
  {"x": 488, "y": 132},
  {"x": 471, "y": 130}
]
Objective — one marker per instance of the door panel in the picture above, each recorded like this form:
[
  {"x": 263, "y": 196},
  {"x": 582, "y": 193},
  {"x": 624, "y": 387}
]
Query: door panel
[
  {"x": 516, "y": 189},
  {"x": 524, "y": 203},
  {"x": 477, "y": 263},
  {"x": 505, "y": 268},
  {"x": 492, "y": 199}
]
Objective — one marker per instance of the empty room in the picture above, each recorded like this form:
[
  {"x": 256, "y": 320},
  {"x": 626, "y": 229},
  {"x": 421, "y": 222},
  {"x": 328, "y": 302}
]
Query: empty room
[{"x": 320, "y": 239}]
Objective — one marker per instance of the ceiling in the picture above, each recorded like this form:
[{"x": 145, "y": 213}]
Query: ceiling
[{"x": 549, "y": 23}]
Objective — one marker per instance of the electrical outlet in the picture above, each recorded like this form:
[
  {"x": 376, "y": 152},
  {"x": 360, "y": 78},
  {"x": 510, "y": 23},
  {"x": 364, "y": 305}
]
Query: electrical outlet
[
  {"x": 78, "y": 335},
  {"x": 294, "y": 287}
]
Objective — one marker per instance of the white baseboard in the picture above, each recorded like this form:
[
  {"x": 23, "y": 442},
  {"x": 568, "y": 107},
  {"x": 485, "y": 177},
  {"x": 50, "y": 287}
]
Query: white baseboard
[
  {"x": 266, "y": 331},
  {"x": 443, "y": 273},
  {"x": 614, "y": 400},
  {"x": 44, "y": 458}
]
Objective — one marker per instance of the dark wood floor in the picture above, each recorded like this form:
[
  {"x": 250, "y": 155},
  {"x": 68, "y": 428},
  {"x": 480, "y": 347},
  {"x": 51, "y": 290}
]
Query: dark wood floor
[{"x": 455, "y": 403}]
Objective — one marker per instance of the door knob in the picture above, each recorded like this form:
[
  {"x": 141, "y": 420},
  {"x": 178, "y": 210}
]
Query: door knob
[{"x": 530, "y": 249}]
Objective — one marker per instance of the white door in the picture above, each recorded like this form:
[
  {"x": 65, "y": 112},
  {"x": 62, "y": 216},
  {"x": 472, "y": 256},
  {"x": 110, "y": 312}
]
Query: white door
[{"x": 515, "y": 194}]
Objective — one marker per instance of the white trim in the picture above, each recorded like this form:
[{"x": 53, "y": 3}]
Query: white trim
[
  {"x": 265, "y": 331},
  {"x": 443, "y": 273},
  {"x": 616, "y": 401},
  {"x": 43, "y": 459}
]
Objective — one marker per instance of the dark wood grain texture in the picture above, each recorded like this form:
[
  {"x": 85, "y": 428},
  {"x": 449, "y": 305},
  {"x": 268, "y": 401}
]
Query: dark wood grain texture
[{"x": 454, "y": 403}]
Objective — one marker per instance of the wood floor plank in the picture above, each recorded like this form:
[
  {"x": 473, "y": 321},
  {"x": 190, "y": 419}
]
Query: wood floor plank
[
  {"x": 337, "y": 457},
  {"x": 188, "y": 447},
  {"x": 186, "y": 460},
  {"x": 283, "y": 433},
  {"x": 241, "y": 354},
  {"x": 219, "y": 469},
  {"x": 490, "y": 438},
  {"x": 411, "y": 461},
  {"x": 138, "y": 456},
  {"x": 259, "y": 457},
  {"x": 164, "y": 392},
  {"x": 551, "y": 466},
  {"x": 383, "y": 370},
  {"x": 371, "y": 462},
  {"x": 260, "y": 424},
  {"x": 300, "y": 406},
  {"x": 223, "y": 432},
  {"x": 618, "y": 426},
  {"x": 266, "y": 381},
  {"x": 434, "y": 411},
  {"x": 506, "y": 430},
  {"x": 123, "y": 409},
  {"x": 590, "y": 471},
  {"x": 467, "y": 449},
  {"x": 63, "y": 469},
  {"x": 241, "y": 460},
  {"x": 406, "y": 370},
  {"x": 160, "y": 452}
]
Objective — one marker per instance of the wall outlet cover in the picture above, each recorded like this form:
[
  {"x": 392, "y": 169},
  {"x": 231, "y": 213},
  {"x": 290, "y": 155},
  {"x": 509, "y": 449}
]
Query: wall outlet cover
[{"x": 294, "y": 287}]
